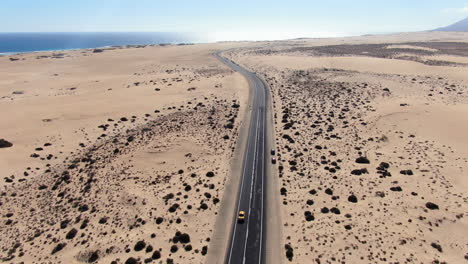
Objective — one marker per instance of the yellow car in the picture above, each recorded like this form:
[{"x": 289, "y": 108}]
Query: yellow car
[{"x": 241, "y": 217}]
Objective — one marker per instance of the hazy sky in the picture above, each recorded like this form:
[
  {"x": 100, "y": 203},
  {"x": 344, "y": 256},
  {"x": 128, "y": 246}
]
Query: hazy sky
[{"x": 253, "y": 19}]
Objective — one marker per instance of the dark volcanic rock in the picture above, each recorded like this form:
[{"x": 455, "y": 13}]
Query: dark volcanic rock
[
  {"x": 352, "y": 199},
  {"x": 362, "y": 160},
  {"x": 309, "y": 216},
  {"x": 383, "y": 166},
  {"x": 5, "y": 144},
  {"x": 184, "y": 238},
  {"x": 432, "y": 206},
  {"x": 140, "y": 245},
  {"x": 406, "y": 172},
  {"x": 83, "y": 208},
  {"x": 359, "y": 171},
  {"x": 59, "y": 247},
  {"x": 93, "y": 257},
  {"x": 173, "y": 208},
  {"x": 64, "y": 224},
  {"x": 174, "y": 248},
  {"x": 71, "y": 234},
  {"x": 289, "y": 252},
  {"x": 204, "y": 250},
  {"x": 131, "y": 260},
  {"x": 283, "y": 191},
  {"x": 437, "y": 246},
  {"x": 149, "y": 249},
  {"x": 156, "y": 255}
]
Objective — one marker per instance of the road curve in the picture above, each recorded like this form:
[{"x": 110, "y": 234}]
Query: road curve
[{"x": 247, "y": 239}]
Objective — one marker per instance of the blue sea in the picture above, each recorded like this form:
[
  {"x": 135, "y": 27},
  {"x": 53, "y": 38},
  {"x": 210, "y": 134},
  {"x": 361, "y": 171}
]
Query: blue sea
[{"x": 29, "y": 42}]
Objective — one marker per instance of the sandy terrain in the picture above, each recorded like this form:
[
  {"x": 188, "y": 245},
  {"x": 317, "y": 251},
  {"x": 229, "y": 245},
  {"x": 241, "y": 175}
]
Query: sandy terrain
[
  {"x": 126, "y": 155},
  {"x": 119, "y": 156},
  {"x": 372, "y": 147}
]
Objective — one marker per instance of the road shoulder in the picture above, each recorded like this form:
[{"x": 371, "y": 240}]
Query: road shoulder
[{"x": 273, "y": 215}]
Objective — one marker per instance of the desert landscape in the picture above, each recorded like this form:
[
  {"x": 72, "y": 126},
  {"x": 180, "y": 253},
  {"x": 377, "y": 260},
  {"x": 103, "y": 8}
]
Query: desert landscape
[
  {"x": 372, "y": 147},
  {"x": 115, "y": 156},
  {"x": 123, "y": 154}
]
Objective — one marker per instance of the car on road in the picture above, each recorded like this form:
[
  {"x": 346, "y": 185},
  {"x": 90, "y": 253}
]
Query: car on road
[
  {"x": 273, "y": 160},
  {"x": 272, "y": 152},
  {"x": 241, "y": 217}
]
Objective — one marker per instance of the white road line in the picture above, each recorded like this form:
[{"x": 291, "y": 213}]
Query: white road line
[
  {"x": 251, "y": 187},
  {"x": 243, "y": 257}
]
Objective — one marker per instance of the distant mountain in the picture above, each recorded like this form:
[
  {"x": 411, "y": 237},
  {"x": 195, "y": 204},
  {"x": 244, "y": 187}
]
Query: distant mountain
[{"x": 460, "y": 26}]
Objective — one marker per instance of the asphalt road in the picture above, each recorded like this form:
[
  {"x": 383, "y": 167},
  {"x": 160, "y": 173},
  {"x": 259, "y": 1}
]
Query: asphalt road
[{"x": 247, "y": 241}]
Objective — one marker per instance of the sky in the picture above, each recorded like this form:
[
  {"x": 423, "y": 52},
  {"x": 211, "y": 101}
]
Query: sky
[{"x": 231, "y": 20}]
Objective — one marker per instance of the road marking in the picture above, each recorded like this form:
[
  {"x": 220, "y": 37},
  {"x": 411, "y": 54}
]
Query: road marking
[{"x": 243, "y": 257}]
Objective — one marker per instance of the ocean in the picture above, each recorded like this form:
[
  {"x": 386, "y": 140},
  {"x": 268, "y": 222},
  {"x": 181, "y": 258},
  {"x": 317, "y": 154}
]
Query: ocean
[{"x": 11, "y": 43}]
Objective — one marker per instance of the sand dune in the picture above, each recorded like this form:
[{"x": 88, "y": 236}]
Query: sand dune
[
  {"x": 117, "y": 157},
  {"x": 372, "y": 149}
]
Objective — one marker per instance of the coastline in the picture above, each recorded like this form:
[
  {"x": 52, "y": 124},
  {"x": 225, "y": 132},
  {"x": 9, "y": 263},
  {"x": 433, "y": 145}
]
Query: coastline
[
  {"x": 3, "y": 54},
  {"x": 12, "y": 43}
]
